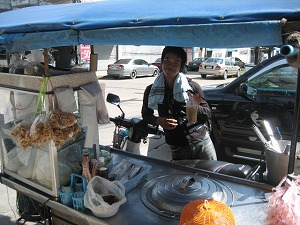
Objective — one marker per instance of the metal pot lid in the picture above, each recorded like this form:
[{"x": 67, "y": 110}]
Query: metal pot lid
[{"x": 167, "y": 195}]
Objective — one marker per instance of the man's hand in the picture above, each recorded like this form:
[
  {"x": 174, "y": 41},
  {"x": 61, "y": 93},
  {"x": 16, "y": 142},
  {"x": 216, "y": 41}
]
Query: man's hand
[{"x": 166, "y": 123}]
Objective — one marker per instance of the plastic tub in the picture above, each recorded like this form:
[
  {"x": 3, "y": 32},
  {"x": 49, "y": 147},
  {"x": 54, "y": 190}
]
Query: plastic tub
[{"x": 137, "y": 174}]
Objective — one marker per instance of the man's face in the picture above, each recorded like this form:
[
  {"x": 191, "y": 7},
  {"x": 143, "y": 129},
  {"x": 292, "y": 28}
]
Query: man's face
[{"x": 171, "y": 64}]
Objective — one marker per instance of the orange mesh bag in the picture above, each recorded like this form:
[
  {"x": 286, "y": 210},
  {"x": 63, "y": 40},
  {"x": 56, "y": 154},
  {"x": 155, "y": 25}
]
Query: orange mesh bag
[{"x": 206, "y": 212}]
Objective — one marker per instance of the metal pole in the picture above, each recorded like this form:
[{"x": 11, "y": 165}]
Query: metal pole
[{"x": 295, "y": 128}]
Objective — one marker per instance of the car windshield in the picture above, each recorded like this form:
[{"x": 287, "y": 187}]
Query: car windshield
[
  {"x": 158, "y": 60},
  {"x": 280, "y": 79},
  {"x": 122, "y": 61},
  {"x": 214, "y": 60}
]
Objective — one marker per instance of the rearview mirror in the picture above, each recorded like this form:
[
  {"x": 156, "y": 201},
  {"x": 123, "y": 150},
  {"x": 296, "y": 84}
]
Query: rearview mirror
[
  {"x": 243, "y": 89},
  {"x": 113, "y": 99}
]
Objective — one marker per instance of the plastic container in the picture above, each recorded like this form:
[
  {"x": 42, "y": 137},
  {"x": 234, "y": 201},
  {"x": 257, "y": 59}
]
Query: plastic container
[
  {"x": 277, "y": 163},
  {"x": 66, "y": 195},
  {"x": 108, "y": 158},
  {"x": 78, "y": 187},
  {"x": 136, "y": 176},
  {"x": 78, "y": 197},
  {"x": 78, "y": 201}
]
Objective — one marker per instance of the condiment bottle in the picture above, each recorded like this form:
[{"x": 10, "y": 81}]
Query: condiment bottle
[
  {"x": 102, "y": 170},
  {"x": 86, "y": 156},
  {"x": 86, "y": 165},
  {"x": 101, "y": 161}
]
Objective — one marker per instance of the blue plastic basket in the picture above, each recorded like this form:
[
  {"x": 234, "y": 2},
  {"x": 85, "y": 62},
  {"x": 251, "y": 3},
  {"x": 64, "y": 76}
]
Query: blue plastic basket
[
  {"x": 66, "y": 197},
  {"x": 78, "y": 196},
  {"x": 78, "y": 201},
  {"x": 81, "y": 186}
]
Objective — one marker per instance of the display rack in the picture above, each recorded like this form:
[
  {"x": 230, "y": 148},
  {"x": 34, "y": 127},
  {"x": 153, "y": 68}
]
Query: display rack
[{"x": 31, "y": 85}]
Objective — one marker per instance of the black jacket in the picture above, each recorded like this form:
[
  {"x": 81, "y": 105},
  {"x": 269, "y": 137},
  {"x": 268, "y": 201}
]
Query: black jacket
[{"x": 171, "y": 108}]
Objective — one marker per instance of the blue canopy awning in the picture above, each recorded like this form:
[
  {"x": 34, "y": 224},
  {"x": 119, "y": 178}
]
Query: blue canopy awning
[{"x": 192, "y": 23}]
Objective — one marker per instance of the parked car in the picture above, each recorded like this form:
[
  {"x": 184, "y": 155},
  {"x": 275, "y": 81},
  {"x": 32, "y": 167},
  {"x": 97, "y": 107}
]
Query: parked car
[
  {"x": 265, "y": 92},
  {"x": 238, "y": 62},
  {"x": 222, "y": 67},
  {"x": 131, "y": 68},
  {"x": 157, "y": 63},
  {"x": 194, "y": 65}
]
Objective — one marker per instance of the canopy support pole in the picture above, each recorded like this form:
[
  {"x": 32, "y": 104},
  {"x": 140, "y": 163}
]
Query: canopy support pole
[
  {"x": 295, "y": 128},
  {"x": 46, "y": 60},
  {"x": 93, "y": 60}
]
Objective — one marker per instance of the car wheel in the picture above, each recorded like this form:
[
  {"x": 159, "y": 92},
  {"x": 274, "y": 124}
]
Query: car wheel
[
  {"x": 115, "y": 77},
  {"x": 133, "y": 75},
  {"x": 155, "y": 73},
  {"x": 238, "y": 73},
  {"x": 225, "y": 75},
  {"x": 203, "y": 75}
]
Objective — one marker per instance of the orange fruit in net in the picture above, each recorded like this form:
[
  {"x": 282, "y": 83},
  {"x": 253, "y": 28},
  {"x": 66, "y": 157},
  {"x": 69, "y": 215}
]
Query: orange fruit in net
[{"x": 206, "y": 212}]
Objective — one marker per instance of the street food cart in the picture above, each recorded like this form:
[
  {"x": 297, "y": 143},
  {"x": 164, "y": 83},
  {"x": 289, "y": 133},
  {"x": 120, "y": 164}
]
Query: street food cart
[{"x": 214, "y": 24}]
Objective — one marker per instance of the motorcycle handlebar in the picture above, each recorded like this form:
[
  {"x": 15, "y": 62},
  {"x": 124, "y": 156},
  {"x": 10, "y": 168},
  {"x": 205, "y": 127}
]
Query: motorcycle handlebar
[
  {"x": 137, "y": 124},
  {"x": 119, "y": 121}
]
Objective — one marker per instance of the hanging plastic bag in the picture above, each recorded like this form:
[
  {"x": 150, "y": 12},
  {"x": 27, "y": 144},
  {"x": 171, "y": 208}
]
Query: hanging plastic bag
[
  {"x": 93, "y": 93},
  {"x": 38, "y": 134},
  {"x": 284, "y": 202},
  {"x": 104, "y": 197},
  {"x": 28, "y": 161},
  {"x": 42, "y": 170},
  {"x": 65, "y": 99}
]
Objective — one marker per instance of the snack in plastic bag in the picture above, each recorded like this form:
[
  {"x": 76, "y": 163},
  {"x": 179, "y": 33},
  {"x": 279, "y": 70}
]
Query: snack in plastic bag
[
  {"x": 58, "y": 126},
  {"x": 21, "y": 133},
  {"x": 40, "y": 131},
  {"x": 104, "y": 197}
]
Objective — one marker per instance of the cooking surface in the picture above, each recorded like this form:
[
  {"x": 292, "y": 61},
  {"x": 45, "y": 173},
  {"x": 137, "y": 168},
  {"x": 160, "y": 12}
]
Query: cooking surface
[{"x": 167, "y": 195}]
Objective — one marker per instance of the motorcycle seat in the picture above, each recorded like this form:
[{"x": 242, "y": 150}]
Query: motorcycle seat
[{"x": 231, "y": 169}]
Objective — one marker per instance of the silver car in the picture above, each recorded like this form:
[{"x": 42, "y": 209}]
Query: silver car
[
  {"x": 131, "y": 68},
  {"x": 223, "y": 67}
]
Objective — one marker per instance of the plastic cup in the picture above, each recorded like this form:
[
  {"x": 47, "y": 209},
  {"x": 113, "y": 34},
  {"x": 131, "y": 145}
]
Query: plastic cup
[
  {"x": 191, "y": 112},
  {"x": 191, "y": 109}
]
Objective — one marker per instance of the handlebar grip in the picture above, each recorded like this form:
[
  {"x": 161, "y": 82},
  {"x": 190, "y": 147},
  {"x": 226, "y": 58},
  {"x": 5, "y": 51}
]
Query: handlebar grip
[
  {"x": 140, "y": 128},
  {"x": 121, "y": 122},
  {"x": 154, "y": 130}
]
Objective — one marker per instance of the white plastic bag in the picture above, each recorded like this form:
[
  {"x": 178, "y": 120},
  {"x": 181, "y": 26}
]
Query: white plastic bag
[
  {"x": 65, "y": 98},
  {"x": 11, "y": 159},
  {"x": 99, "y": 189},
  {"x": 42, "y": 170}
]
